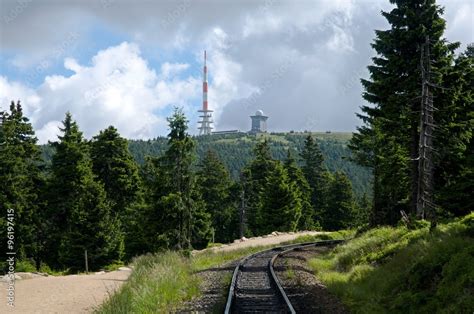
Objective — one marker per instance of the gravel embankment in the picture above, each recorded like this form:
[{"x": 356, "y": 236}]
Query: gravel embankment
[
  {"x": 215, "y": 281},
  {"x": 305, "y": 291}
]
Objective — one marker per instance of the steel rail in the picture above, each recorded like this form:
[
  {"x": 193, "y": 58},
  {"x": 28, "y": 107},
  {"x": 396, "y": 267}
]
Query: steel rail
[{"x": 273, "y": 277}]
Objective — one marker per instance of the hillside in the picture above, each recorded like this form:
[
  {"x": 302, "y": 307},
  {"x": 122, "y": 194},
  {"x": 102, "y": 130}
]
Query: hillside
[
  {"x": 236, "y": 150},
  {"x": 404, "y": 270}
]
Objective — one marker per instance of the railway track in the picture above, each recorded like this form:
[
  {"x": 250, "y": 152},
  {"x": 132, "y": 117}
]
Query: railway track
[{"x": 255, "y": 288}]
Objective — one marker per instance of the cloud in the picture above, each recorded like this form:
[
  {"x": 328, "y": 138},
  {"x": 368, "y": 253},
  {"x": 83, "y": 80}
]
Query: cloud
[
  {"x": 300, "y": 62},
  {"x": 171, "y": 69},
  {"x": 460, "y": 21},
  {"x": 118, "y": 88}
]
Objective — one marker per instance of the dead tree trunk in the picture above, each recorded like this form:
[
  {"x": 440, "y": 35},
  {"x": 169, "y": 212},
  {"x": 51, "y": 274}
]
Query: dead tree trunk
[{"x": 425, "y": 205}]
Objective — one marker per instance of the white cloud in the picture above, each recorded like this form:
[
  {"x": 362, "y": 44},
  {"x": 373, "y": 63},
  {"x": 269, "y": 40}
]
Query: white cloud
[
  {"x": 118, "y": 88},
  {"x": 171, "y": 69},
  {"x": 50, "y": 131},
  {"x": 227, "y": 81},
  {"x": 460, "y": 21},
  {"x": 14, "y": 91},
  {"x": 341, "y": 41},
  {"x": 328, "y": 42}
]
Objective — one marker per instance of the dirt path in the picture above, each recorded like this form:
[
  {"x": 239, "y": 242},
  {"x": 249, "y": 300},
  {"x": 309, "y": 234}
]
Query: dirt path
[
  {"x": 271, "y": 239},
  {"x": 62, "y": 294}
]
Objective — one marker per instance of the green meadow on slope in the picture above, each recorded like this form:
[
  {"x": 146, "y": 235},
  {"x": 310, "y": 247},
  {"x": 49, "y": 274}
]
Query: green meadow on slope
[{"x": 400, "y": 270}]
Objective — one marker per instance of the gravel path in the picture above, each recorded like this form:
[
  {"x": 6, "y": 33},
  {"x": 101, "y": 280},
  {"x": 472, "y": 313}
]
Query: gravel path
[
  {"x": 271, "y": 239},
  {"x": 62, "y": 294}
]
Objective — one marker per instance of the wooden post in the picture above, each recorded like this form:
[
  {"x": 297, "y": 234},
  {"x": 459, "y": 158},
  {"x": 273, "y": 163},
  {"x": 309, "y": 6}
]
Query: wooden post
[
  {"x": 242, "y": 208},
  {"x": 87, "y": 264}
]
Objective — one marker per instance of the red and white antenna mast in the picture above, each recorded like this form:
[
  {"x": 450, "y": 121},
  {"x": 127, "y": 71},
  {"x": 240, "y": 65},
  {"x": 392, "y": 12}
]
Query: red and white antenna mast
[{"x": 205, "y": 124}]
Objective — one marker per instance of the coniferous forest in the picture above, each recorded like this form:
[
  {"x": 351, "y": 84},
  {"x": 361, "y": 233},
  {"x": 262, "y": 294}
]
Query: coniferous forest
[{"x": 96, "y": 195}]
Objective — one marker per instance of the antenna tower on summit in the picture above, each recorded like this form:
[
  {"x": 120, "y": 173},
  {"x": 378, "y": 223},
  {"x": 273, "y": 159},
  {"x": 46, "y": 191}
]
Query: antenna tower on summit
[{"x": 205, "y": 124}]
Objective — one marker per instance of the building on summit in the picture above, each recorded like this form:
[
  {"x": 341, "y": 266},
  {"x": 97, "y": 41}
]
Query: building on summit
[{"x": 259, "y": 123}]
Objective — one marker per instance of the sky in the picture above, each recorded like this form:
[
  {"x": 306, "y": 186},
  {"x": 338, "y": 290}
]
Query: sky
[{"x": 129, "y": 63}]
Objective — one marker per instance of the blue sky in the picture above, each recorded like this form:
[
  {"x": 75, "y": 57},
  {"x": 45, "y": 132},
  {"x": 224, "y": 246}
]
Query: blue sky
[{"x": 128, "y": 63}]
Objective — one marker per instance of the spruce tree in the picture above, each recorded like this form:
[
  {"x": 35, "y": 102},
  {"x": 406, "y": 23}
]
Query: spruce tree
[
  {"x": 296, "y": 176},
  {"x": 339, "y": 212},
  {"x": 254, "y": 180},
  {"x": 176, "y": 215},
  {"x": 454, "y": 172},
  {"x": 316, "y": 175},
  {"x": 388, "y": 141},
  {"x": 80, "y": 215},
  {"x": 280, "y": 202},
  {"x": 115, "y": 167},
  {"x": 214, "y": 184},
  {"x": 20, "y": 180},
  {"x": 362, "y": 212}
]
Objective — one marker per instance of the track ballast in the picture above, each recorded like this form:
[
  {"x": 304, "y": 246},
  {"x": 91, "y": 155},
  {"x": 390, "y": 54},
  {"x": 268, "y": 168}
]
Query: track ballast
[{"x": 256, "y": 289}]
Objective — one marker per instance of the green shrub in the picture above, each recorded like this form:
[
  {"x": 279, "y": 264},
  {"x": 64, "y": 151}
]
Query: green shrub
[
  {"x": 114, "y": 266},
  {"x": 468, "y": 223},
  {"x": 25, "y": 266}
]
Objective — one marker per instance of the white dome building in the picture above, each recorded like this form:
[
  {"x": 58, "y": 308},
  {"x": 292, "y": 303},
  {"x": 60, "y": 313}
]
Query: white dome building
[{"x": 259, "y": 123}]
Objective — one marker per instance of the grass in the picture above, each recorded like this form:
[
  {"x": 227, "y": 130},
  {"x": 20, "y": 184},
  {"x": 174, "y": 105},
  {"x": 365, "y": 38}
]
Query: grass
[
  {"x": 159, "y": 283},
  {"x": 211, "y": 245},
  {"x": 162, "y": 282},
  {"x": 397, "y": 270},
  {"x": 290, "y": 273},
  {"x": 114, "y": 266},
  {"x": 336, "y": 235}
]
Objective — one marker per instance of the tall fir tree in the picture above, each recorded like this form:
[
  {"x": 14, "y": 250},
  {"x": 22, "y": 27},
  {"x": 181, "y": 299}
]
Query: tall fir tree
[
  {"x": 254, "y": 180},
  {"x": 177, "y": 215},
  {"x": 362, "y": 212},
  {"x": 316, "y": 175},
  {"x": 340, "y": 210},
  {"x": 115, "y": 167},
  {"x": 20, "y": 179},
  {"x": 454, "y": 172},
  {"x": 214, "y": 184},
  {"x": 388, "y": 141},
  {"x": 296, "y": 176},
  {"x": 280, "y": 202},
  {"x": 80, "y": 215}
]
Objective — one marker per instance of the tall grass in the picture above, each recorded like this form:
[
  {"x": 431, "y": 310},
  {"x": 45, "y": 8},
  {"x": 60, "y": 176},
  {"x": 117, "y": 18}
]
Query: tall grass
[
  {"x": 158, "y": 283},
  {"x": 398, "y": 270}
]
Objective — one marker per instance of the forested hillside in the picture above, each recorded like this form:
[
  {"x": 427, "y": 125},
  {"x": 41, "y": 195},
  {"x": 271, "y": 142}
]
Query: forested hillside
[
  {"x": 236, "y": 151},
  {"x": 113, "y": 199}
]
